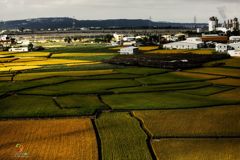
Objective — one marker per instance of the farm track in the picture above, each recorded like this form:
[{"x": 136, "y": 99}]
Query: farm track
[{"x": 99, "y": 143}]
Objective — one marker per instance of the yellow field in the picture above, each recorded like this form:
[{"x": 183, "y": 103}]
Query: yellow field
[
  {"x": 148, "y": 48},
  {"x": 197, "y": 149},
  {"x": 31, "y": 54},
  {"x": 28, "y": 59},
  {"x": 232, "y": 62},
  {"x": 197, "y": 75},
  {"x": 80, "y": 54},
  {"x": 212, "y": 121},
  {"x": 6, "y": 60},
  {"x": 172, "y": 51},
  {"x": 227, "y": 81},
  {"x": 203, "y": 51},
  {"x": 218, "y": 71},
  {"x": 230, "y": 95},
  {"x": 5, "y": 75},
  {"x": 30, "y": 76},
  {"x": 48, "y": 139},
  {"x": 5, "y": 52},
  {"x": 5, "y": 78},
  {"x": 46, "y": 62},
  {"x": 116, "y": 48},
  {"x": 179, "y": 51},
  {"x": 17, "y": 68},
  {"x": 141, "y": 48},
  {"x": 79, "y": 64}
]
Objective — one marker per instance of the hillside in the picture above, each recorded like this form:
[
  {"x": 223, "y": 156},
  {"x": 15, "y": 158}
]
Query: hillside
[{"x": 64, "y": 22}]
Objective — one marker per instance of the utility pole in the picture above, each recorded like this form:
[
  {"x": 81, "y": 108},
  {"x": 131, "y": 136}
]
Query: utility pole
[
  {"x": 73, "y": 23},
  {"x": 195, "y": 22},
  {"x": 150, "y": 22}
]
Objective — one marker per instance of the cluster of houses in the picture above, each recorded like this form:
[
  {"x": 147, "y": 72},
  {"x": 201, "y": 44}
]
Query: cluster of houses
[
  {"x": 9, "y": 43},
  {"x": 222, "y": 44},
  {"x": 232, "y": 49}
]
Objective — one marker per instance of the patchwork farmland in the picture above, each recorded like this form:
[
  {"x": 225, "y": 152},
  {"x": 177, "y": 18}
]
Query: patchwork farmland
[{"x": 67, "y": 103}]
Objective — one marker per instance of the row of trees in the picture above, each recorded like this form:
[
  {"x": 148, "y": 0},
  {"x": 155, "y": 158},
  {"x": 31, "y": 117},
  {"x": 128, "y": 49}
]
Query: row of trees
[{"x": 106, "y": 39}]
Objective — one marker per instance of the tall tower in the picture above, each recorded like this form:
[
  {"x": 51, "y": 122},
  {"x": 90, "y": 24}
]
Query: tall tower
[
  {"x": 73, "y": 23},
  {"x": 195, "y": 22},
  {"x": 212, "y": 24},
  {"x": 150, "y": 22},
  {"x": 235, "y": 24}
]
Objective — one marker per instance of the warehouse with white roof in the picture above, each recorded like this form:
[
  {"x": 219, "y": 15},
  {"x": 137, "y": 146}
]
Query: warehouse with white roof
[{"x": 190, "y": 43}]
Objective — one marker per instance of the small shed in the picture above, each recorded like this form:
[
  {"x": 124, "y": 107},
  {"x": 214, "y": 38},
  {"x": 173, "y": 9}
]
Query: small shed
[{"x": 129, "y": 50}]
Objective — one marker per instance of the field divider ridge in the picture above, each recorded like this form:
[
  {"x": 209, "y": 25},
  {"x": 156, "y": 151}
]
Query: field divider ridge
[{"x": 148, "y": 133}]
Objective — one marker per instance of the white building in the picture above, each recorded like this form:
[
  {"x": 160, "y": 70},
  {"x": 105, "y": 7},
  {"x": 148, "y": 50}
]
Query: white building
[
  {"x": 222, "y": 48},
  {"x": 128, "y": 39},
  {"x": 190, "y": 43},
  {"x": 18, "y": 49},
  {"x": 4, "y": 38},
  {"x": 233, "y": 49},
  {"x": 118, "y": 37},
  {"x": 234, "y": 53},
  {"x": 170, "y": 38},
  {"x": 23, "y": 42},
  {"x": 235, "y": 46},
  {"x": 199, "y": 30},
  {"x": 223, "y": 29},
  {"x": 234, "y": 39},
  {"x": 129, "y": 50}
]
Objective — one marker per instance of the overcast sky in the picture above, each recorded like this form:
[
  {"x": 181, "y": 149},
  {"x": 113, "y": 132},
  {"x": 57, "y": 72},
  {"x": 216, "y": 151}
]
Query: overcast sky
[{"x": 159, "y": 10}]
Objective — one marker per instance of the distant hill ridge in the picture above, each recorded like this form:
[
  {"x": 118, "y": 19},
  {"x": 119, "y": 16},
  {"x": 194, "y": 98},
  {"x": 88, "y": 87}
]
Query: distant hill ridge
[{"x": 65, "y": 22}]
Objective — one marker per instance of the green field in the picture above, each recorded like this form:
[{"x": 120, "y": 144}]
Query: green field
[
  {"x": 81, "y": 87},
  {"x": 13, "y": 87},
  {"x": 33, "y": 106},
  {"x": 141, "y": 70},
  {"x": 207, "y": 91},
  {"x": 122, "y": 137},
  {"x": 86, "y": 104},
  {"x": 163, "y": 87},
  {"x": 175, "y": 77},
  {"x": 41, "y": 75},
  {"x": 165, "y": 100},
  {"x": 42, "y": 106}
]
